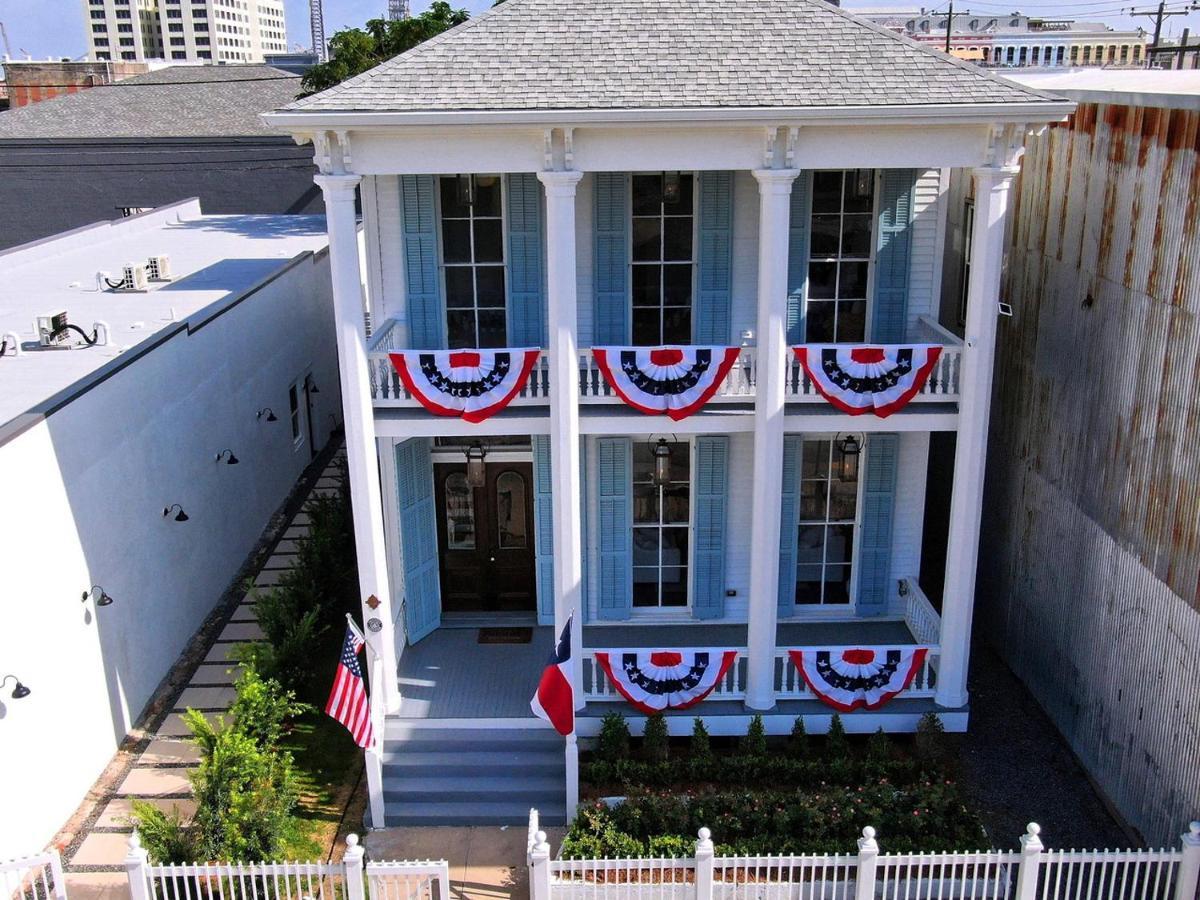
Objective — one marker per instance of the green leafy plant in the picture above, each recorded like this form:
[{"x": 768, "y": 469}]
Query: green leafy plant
[
  {"x": 879, "y": 749},
  {"x": 700, "y": 746},
  {"x": 836, "y": 743},
  {"x": 656, "y": 741},
  {"x": 164, "y": 833},
  {"x": 263, "y": 710},
  {"x": 613, "y": 741},
  {"x": 754, "y": 744},
  {"x": 797, "y": 745},
  {"x": 930, "y": 741}
]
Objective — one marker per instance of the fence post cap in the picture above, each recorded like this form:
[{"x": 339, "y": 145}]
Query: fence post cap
[
  {"x": 354, "y": 850},
  {"x": 867, "y": 841},
  {"x": 352, "y": 840},
  {"x": 1193, "y": 835},
  {"x": 705, "y": 835},
  {"x": 539, "y": 843},
  {"x": 1030, "y": 842},
  {"x": 137, "y": 853}
]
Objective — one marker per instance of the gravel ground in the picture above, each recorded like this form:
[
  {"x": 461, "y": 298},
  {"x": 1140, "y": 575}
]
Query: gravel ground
[{"x": 1018, "y": 768}]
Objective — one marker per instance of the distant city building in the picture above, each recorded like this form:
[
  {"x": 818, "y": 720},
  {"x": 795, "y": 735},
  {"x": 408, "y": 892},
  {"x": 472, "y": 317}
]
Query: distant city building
[
  {"x": 202, "y": 31},
  {"x": 297, "y": 62},
  {"x": 1014, "y": 39},
  {"x": 29, "y": 82}
]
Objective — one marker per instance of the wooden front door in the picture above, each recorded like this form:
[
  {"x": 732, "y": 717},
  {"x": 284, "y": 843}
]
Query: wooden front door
[{"x": 485, "y": 538}]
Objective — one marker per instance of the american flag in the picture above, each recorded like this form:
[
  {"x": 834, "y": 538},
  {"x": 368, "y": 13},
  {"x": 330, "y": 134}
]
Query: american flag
[{"x": 348, "y": 702}]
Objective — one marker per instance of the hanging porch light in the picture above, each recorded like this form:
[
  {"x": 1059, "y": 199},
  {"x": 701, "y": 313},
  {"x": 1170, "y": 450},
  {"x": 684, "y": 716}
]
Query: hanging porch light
[
  {"x": 464, "y": 190},
  {"x": 662, "y": 463},
  {"x": 671, "y": 187},
  {"x": 476, "y": 470},
  {"x": 851, "y": 448}
]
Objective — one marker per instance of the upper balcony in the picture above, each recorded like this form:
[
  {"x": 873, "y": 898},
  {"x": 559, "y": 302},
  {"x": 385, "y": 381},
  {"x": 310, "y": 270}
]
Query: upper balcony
[{"x": 387, "y": 391}]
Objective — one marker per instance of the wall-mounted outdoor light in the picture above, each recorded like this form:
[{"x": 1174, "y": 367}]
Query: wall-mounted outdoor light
[
  {"x": 476, "y": 470},
  {"x": 269, "y": 413},
  {"x": 180, "y": 516},
  {"x": 228, "y": 457},
  {"x": 101, "y": 595},
  {"x": 851, "y": 448},
  {"x": 20, "y": 691},
  {"x": 312, "y": 387}
]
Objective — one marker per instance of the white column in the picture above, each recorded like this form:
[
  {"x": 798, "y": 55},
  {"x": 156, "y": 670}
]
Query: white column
[
  {"x": 566, "y": 502},
  {"x": 992, "y": 186},
  {"x": 775, "y": 193},
  {"x": 359, "y": 416}
]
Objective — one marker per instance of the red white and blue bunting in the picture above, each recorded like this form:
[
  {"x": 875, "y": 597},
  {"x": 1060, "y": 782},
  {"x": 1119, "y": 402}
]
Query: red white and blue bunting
[
  {"x": 654, "y": 680},
  {"x": 473, "y": 384},
  {"x": 849, "y": 678},
  {"x": 880, "y": 379},
  {"x": 675, "y": 381}
]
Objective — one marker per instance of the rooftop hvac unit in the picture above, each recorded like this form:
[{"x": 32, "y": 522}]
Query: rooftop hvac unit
[
  {"x": 51, "y": 329},
  {"x": 133, "y": 278},
  {"x": 158, "y": 268}
]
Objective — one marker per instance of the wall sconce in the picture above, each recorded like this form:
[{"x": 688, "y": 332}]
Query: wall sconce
[
  {"x": 671, "y": 187},
  {"x": 662, "y": 462},
  {"x": 269, "y": 413},
  {"x": 312, "y": 387},
  {"x": 20, "y": 692},
  {"x": 902, "y": 588},
  {"x": 180, "y": 516},
  {"x": 851, "y": 448},
  {"x": 102, "y": 600},
  {"x": 227, "y": 455},
  {"x": 476, "y": 470}
]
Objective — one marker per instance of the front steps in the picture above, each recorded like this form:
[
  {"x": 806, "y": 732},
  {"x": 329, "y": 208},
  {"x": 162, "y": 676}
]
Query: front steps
[{"x": 447, "y": 773}]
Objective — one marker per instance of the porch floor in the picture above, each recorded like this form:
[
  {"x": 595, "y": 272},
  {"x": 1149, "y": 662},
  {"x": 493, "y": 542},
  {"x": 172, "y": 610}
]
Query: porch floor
[{"x": 450, "y": 675}]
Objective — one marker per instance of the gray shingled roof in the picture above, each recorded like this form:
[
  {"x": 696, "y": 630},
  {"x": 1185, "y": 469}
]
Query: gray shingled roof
[
  {"x": 664, "y": 54},
  {"x": 178, "y": 101}
]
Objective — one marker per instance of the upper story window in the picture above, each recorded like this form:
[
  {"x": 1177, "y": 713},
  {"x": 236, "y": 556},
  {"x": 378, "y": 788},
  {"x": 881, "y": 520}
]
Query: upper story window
[
  {"x": 828, "y": 516},
  {"x": 661, "y": 519},
  {"x": 473, "y": 260},
  {"x": 843, "y": 213},
  {"x": 663, "y": 255}
]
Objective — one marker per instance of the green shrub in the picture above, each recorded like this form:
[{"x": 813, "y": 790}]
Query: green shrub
[
  {"x": 263, "y": 710},
  {"x": 837, "y": 746},
  {"x": 930, "y": 742},
  {"x": 656, "y": 742},
  {"x": 797, "y": 746},
  {"x": 613, "y": 742},
  {"x": 700, "y": 747},
  {"x": 165, "y": 835},
  {"x": 879, "y": 750},
  {"x": 754, "y": 744}
]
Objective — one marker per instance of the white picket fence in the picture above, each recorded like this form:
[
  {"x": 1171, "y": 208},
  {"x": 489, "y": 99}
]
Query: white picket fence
[
  {"x": 37, "y": 877},
  {"x": 350, "y": 879},
  {"x": 1031, "y": 873}
]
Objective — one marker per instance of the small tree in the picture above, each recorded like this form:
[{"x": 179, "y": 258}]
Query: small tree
[
  {"x": 837, "y": 744},
  {"x": 931, "y": 749},
  {"x": 656, "y": 742},
  {"x": 879, "y": 749},
  {"x": 613, "y": 742},
  {"x": 797, "y": 746},
  {"x": 754, "y": 744},
  {"x": 700, "y": 748}
]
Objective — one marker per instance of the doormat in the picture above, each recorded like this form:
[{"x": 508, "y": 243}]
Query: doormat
[{"x": 505, "y": 635}]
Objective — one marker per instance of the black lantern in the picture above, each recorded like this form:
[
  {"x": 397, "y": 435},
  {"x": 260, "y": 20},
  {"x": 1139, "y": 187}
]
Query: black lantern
[
  {"x": 101, "y": 595},
  {"x": 464, "y": 190},
  {"x": 20, "y": 691},
  {"x": 670, "y": 187},
  {"x": 662, "y": 463},
  {"x": 476, "y": 471},
  {"x": 863, "y": 179},
  {"x": 850, "y": 447}
]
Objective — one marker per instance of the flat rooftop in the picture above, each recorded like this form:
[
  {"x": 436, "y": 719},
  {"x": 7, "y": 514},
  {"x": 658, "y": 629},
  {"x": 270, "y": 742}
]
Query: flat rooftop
[
  {"x": 1168, "y": 88},
  {"x": 214, "y": 260}
]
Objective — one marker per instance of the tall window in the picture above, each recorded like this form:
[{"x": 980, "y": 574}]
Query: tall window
[
  {"x": 660, "y": 528},
  {"x": 843, "y": 205},
  {"x": 968, "y": 246},
  {"x": 828, "y": 510},
  {"x": 663, "y": 221},
  {"x": 473, "y": 260}
]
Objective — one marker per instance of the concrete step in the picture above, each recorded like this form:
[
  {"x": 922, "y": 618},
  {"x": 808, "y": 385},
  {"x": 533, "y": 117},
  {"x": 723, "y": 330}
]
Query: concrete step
[
  {"x": 399, "y": 760},
  {"x": 440, "y": 739},
  {"x": 509, "y": 812},
  {"x": 531, "y": 789}
]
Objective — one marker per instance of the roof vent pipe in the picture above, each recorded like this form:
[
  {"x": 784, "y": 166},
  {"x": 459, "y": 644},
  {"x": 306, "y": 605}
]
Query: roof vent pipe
[
  {"x": 102, "y": 331},
  {"x": 11, "y": 339}
]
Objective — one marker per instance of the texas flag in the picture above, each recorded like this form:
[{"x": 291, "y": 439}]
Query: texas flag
[{"x": 554, "y": 700}]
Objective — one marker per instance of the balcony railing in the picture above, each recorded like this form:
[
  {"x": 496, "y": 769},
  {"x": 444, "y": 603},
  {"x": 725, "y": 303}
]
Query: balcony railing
[{"x": 738, "y": 386}]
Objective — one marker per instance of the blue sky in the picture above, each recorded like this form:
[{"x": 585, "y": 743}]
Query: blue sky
[{"x": 55, "y": 27}]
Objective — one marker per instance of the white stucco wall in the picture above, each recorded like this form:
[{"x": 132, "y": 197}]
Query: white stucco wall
[{"x": 83, "y": 493}]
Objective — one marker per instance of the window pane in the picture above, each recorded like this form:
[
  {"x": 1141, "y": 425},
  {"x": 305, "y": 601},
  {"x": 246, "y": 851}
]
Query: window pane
[
  {"x": 645, "y": 503},
  {"x": 839, "y": 543},
  {"x": 677, "y": 285},
  {"x": 487, "y": 195},
  {"x": 643, "y": 463},
  {"x": 647, "y": 239},
  {"x": 852, "y": 320},
  {"x": 677, "y": 238},
  {"x": 853, "y": 280},
  {"x": 647, "y": 194},
  {"x": 460, "y": 513},
  {"x": 812, "y": 501},
  {"x": 456, "y": 241},
  {"x": 811, "y": 545},
  {"x": 460, "y": 287},
  {"x": 837, "y": 584},
  {"x": 827, "y": 192},
  {"x": 460, "y": 329},
  {"x": 677, "y": 325},
  {"x": 816, "y": 459},
  {"x": 808, "y": 584},
  {"x": 645, "y": 587},
  {"x": 675, "y": 501},
  {"x": 646, "y": 327},
  {"x": 818, "y": 322},
  {"x": 860, "y": 190},
  {"x": 843, "y": 499},
  {"x": 674, "y": 586},
  {"x": 856, "y": 235},
  {"x": 510, "y": 510},
  {"x": 822, "y": 280},
  {"x": 646, "y": 285},
  {"x": 645, "y": 546},
  {"x": 489, "y": 286},
  {"x": 488, "y": 241},
  {"x": 451, "y": 208},
  {"x": 682, "y": 206},
  {"x": 492, "y": 332},
  {"x": 674, "y": 546},
  {"x": 681, "y": 463},
  {"x": 824, "y": 236}
]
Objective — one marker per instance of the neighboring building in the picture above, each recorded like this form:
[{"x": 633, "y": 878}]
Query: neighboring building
[
  {"x": 1089, "y": 586},
  {"x": 204, "y": 31},
  {"x": 297, "y": 63},
  {"x": 568, "y": 175},
  {"x": 95, "y": 442},
  {"x": 1014, "y": 39},
  {"x": 183, "y": 131},
  {"x": 30, "y": 81}
]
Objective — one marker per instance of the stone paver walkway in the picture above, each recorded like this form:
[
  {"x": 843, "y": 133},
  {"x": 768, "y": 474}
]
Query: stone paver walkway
[{"x": 159, "y": 774}]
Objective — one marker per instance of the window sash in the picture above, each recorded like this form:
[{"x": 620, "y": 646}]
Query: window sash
[
  {"x": 666, "y": 570},
  {"x": 843, "y": 260},
  {"x": 830, "y": 525},
  {"x": 452, "y": 283},
  {"x": 666, "y": 268}
]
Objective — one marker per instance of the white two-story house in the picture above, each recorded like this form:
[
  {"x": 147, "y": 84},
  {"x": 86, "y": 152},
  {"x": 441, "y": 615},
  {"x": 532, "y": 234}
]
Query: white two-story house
[{"x": 745, "y": 176}]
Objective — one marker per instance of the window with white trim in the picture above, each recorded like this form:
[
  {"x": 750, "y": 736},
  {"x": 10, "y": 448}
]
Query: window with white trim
[
  {"x": 663, "y": 257},
  {"x": 968, "y": 246},
  {"x": 843, "y": 220},
  {"x": 473, "y": 260},
  {"x": 828, "y": 518},
  {"x": 661, "y": 522},
  {"x": 294, "y": 414}
]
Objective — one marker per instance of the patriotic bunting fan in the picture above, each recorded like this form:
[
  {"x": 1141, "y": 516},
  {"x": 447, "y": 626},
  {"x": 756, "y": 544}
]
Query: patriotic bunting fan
[
  {"x": 848, "y": 678},
  {"x": 474, "y": 384},
  {"x": 880, "y": 379},
  {"x": 676, "y": 381},
  {"x": 654, "y": 680}
]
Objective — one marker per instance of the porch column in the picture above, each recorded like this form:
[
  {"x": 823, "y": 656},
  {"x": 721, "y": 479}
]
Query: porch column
[
  {"x": 992, "y": 186},
  {"x": 774, "y": 192},
  {"x": 566, "y": 501},
  {"x": 359, "y": 415}
]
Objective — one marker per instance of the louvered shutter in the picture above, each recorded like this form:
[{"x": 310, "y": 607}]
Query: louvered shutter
[
  {"x": 615, "y": 488},
  {"x": 715, "y": 260},
  {"x": 888, "y": 320},
  {"x": 708, "y": 534},
  {"x": 583, "y": 525},
  {"x": 799, "y": 222},
  {"x": 418, "y": 536},
  {"x": 421, "y": 276},
  {"x": 543, "y": 519},
  {"x": 526, "y": 276},
  {"x": 875, "y": 542},
  {"x": 789, "y": 519},
  {"x": 612, "y": 258}
]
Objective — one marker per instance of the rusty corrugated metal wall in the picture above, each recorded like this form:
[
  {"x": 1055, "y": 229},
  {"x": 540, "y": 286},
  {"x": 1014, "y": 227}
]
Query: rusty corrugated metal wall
[{"x": 1090, "y": 558}]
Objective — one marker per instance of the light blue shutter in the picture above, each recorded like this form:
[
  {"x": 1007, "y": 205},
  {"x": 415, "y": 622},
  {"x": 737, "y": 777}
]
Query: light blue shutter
[
  {"x": 615, "y": 488},
  {"x": 423, "y": 291},
  {"x": 789, "y": 519},
  {"x": 715, "y": 269},
  {"x": 526, "y": 278},
  {"x": 543, "y": 518},
  {"x": 875, "y": 543},
  {"x": 708, "y": 534},
  {"x": 888, "y": 321},
  {"x": 583, "y": 525},
  {"x": 612, "y": 258},
  {"x": 799, "y": 222},
  {"x": 418, "y": 536}
]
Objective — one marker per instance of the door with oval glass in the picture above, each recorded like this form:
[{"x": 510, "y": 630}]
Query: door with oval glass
[{"x": 485, "y": 538}]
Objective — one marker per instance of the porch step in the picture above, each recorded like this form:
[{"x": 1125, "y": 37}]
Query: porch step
[{"x": 455, "y": 775}]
